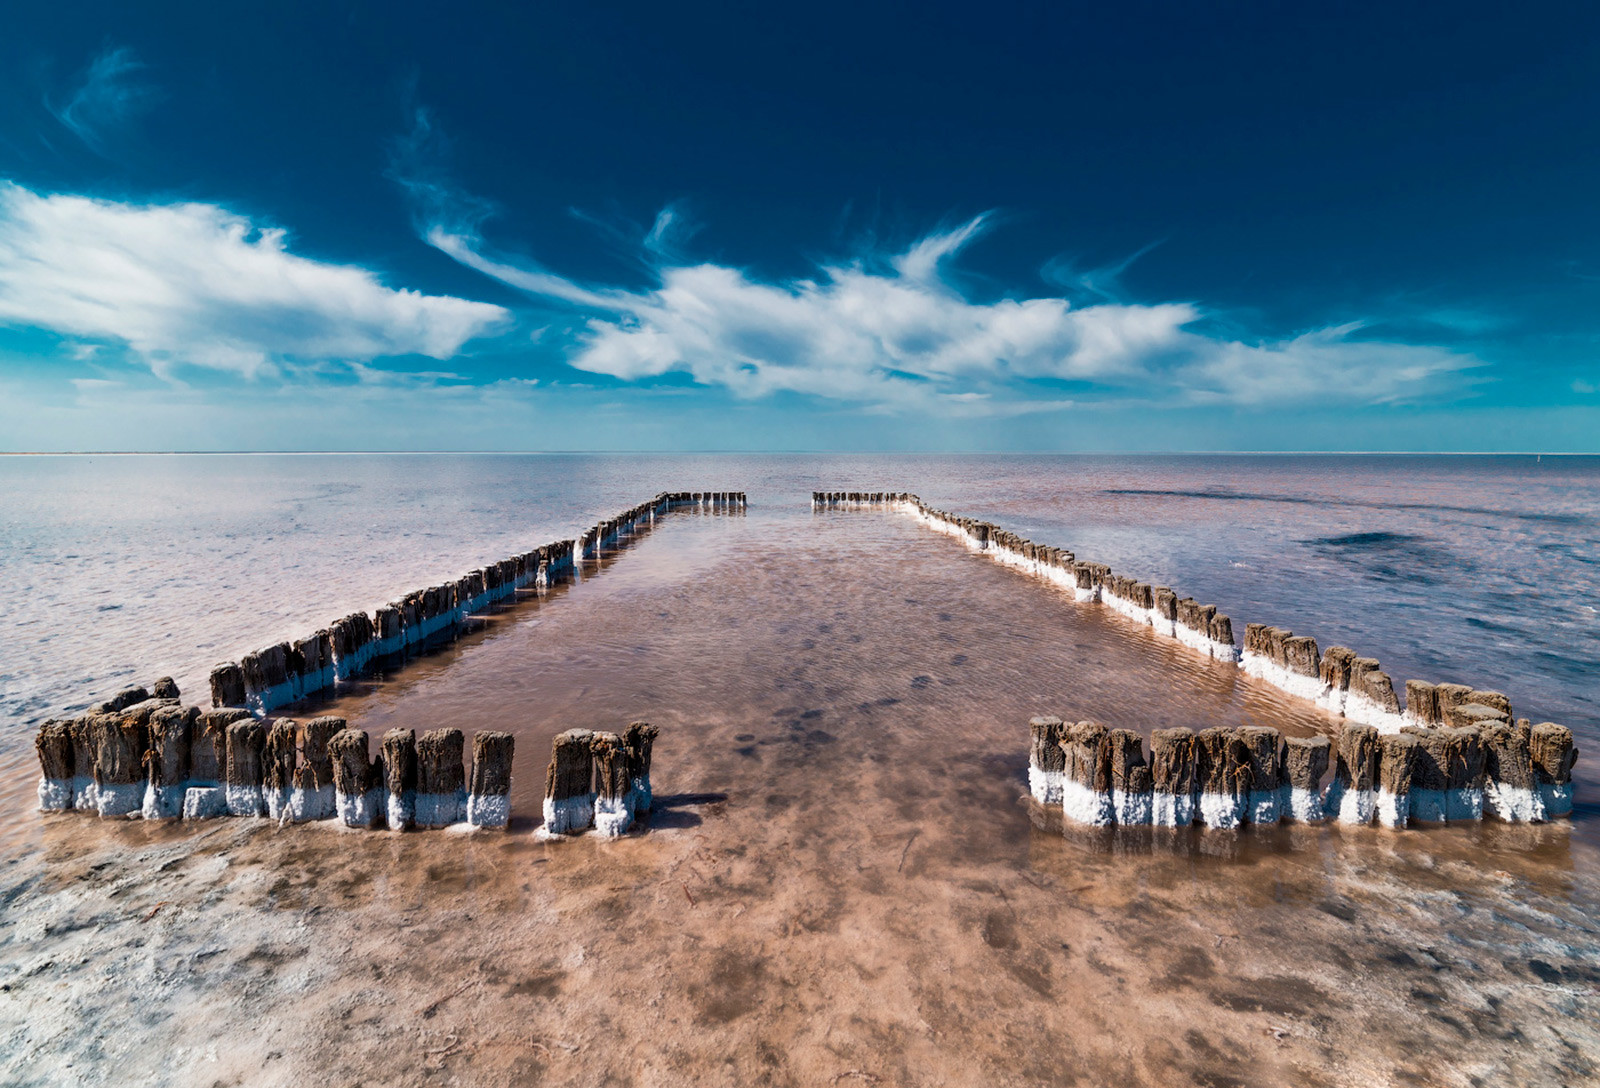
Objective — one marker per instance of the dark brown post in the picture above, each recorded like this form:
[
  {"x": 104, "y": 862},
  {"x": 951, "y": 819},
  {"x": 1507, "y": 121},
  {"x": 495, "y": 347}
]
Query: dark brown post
[{"x": 489, "y": 795}]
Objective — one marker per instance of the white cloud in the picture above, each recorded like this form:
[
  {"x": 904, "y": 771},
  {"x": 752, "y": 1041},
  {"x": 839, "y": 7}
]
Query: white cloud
[
  {"x": 110, "y": 96},
  {"x": 894, "y": 330},
  {"x": 197, "y": 284}
]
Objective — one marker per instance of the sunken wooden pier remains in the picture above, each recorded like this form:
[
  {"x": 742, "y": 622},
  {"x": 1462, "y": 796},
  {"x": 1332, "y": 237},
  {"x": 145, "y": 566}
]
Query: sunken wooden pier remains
[
  {"x": 1232, "y": 778},
  {"x": 1451, "y": 754},
  {"x": 143, "y": 753}
]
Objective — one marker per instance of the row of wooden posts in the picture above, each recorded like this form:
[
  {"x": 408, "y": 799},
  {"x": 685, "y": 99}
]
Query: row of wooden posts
[
  {"x": 1517, "y": 770},
  {"x": 144, "y": 753},
  {"x": 1227, "y": 778},
  {"x": 349, "y": 647},
  {"x": 147, "y": 756}
]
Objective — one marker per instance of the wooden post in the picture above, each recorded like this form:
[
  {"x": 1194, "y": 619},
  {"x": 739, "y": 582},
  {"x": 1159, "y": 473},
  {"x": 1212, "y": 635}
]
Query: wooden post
[{"x": 489, "y": 797}]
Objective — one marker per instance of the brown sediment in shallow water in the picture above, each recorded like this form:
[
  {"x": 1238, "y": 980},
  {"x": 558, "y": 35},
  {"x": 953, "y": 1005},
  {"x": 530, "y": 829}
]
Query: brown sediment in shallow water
[{"x": 762, "y": 932}]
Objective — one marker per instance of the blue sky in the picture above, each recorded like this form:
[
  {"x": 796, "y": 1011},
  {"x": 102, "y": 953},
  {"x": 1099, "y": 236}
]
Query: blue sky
[{"x": 524, "y": 226}]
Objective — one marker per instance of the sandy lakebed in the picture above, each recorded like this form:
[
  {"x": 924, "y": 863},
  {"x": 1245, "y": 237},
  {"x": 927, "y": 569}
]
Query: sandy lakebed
[{"x": 843, "y": 882}]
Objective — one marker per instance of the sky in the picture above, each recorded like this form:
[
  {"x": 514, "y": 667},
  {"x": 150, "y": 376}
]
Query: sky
[{"x": 524, "y": 226}]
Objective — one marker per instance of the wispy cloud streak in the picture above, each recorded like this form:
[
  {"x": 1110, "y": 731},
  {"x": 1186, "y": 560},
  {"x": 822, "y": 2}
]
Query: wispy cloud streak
[
  {"x": 893, "y": 329},
  {"x": 111, "y": 95}
]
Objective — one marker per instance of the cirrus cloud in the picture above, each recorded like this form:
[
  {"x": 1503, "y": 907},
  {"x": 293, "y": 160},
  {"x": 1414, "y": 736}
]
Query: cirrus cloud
[
  {"x": 894, "y": 329},
  {"x": 196, "y": 284}
]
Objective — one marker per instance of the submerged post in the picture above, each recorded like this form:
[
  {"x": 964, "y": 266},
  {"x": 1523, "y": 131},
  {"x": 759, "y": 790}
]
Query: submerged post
[
  {"x": 1398, "y": 757},
  {"x": 400, "y": 777},
  {"x": 441, "y": 778},
  {"x": 120, "y": 742},
  {"x": 613, "y": 810},
  {"x": 1351, "y": 795},
  {"x": 353, "y": 779},
  {"x": 247, "y": 741},
  {"x": 1131, "y": 801},
  {"x": 314, "y": 796},
  {"x": 1046, "y": 761},
  {"x": 171, "y": 742},
  {"x": 568, "y": 786},
  {"x": 489, "y": 799},
  {"x": 277, "y": 779},
  {"x": 54, "y": 746},
  {"x": 1510, "y": 791},
  {"x": 640, "y": 738},
  {"x": 1222, "y": 765},
  {"x": 1086, "y": 782},
  {"x": 1553, "y": 755},
  {"x": 1173, "y": 777},
  {"x": 1305, "y": 761}
]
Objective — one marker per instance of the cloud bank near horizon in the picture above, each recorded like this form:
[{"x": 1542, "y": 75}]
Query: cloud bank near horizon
[
  {"x": 195, "y": 284},
  {"x": 889, "y": 330},
  {"x": 894, "y": 329}
]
